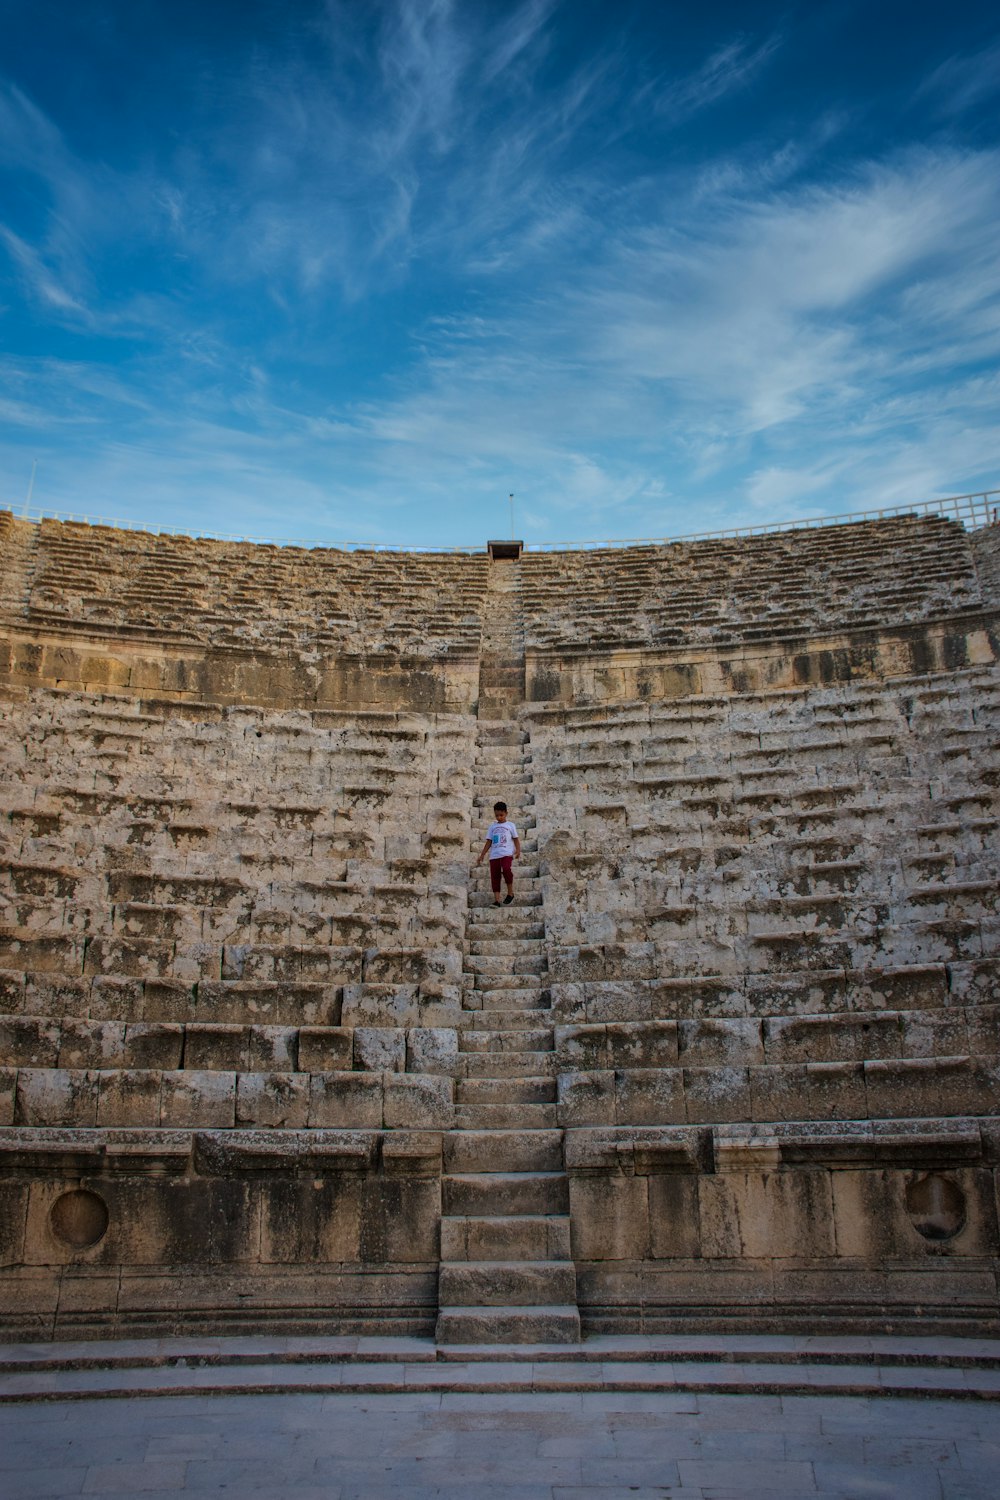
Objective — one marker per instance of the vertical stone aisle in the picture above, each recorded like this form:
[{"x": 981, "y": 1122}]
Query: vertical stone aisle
[
  {"x": 18, "y": 562},
  {"x": 507, "y": 1275}
]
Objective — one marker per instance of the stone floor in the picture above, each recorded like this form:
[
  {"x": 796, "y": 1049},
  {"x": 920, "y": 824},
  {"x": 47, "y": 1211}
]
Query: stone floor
[{"x": 512, "y": 1446}]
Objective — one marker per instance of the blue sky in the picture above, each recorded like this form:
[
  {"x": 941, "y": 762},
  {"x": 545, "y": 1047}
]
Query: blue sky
[{"x": 356, "y": 270}]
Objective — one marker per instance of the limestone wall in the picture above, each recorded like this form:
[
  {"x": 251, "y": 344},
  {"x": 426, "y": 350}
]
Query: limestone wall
[
  {"x": 238, "y": 995},
  {"x": 99, "y": 609},
  {"x": 750, "y": 589},
  {"x": 774, "y": 959},
  {"x": 224, "y": 920}
]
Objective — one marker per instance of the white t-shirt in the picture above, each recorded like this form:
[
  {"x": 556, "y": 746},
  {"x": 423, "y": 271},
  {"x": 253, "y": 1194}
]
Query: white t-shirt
[{"x": 502, "y": 836}]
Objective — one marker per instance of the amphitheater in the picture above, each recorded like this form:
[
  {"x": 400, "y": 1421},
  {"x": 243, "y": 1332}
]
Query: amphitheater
[{"x": 272, "y": 1061}]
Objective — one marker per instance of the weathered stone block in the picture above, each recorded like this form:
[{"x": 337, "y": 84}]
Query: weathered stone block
[
  {"x": 798, "y": 994},
  {"x": 806, "y": 1091},
  {"x": 339, "y": 1100},
  {"x": 774, "y": 1215},
  {"x": 924, "y": 1086},
  {"x": 305, "y": 1221},
  {"x": 92, "y": 1044},
  {"x": 674, "y": 1225},
  {"x": 12, "y": 997},
  {"x": 840, "y": 1038},
  {"x": 29, "y": 1041},
  {"x": 609, "y": 1217},
  {"x": 586, "y": 1098},
  {"x": 153, "y": 1044},
  {"x": 288, "y": 1003},
  {"x": 650, "y": 1096},
  {"x": 128, "y": 1098},
  {"x": 56, "y": 1096},
  {"x": 13, "y": 1213},
  {"x": 8, "y": 1088},
  {"x": 149, "y": 1000},
  {"x": 24, "y": 950},
  {"x": 432, "y": 1049},
  {"x": 690, "y": 998},
  {"x": 941, "y": 1033},
  {"x": 650, "y": 1044},
  {"x": 379, "y": 1049},
  {"x": 716, "y": 1094},
  {"x": 141, "y": 958},
  {"x": 907, "y": 987},
  {"x": 273, "y": 1100},
  {"x": 418, "y": 1102},
  {"x": 982, "y": 1031},
  {"x": 272, "y": 1049},
  {"x": 216, "y": 1048},
  {"x": 721, "y": 1043},
  {"x": 408, "y": 966},
  {"x": 198, "y": 1098},
  {"x": 325, "y": 1049},
  {"x": 582, "y": 1048},
  {"x": 52, "y": 995},
  {"x": 399, "y": 1224},
  {"x": 381, "y": 1005},
  {"x": 629, "y": 961},
  {"x": 575, "y": 964},
  {"x": 975, "y": 983}
]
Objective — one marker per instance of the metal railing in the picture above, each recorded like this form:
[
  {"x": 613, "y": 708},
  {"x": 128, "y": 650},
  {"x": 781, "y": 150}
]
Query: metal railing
[{"x": 972, "y": 511}]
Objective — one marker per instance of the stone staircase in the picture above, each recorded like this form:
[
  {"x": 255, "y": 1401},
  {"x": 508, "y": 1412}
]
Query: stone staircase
[
  {"x": 501, "y": 661},
  {"x": 18, "y": 562},
  {"x": 506, "y": 1276}
]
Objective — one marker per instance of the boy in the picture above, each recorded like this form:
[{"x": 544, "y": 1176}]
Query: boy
[{"x": 504, "y": 847}]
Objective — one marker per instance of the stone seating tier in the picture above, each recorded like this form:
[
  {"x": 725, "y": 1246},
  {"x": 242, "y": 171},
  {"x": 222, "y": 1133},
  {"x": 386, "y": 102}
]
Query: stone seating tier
[
  {"x": 93, "y": 579},
  {"x": 270, "y": 1058},
  {"x": 761, "y": 893},
  {"x": 750, "y": 589}
]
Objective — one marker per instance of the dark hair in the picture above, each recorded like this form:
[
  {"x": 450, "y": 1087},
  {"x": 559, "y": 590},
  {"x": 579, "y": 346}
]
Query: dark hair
[{"x": 499, "y": 807}]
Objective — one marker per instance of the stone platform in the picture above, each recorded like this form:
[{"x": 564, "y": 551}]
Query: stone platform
[{"x": 514, "y": 1444}]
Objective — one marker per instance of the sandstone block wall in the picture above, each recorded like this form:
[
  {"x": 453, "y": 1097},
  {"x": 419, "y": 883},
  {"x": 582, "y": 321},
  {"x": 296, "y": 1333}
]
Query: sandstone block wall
[{"x": 238, "y": 996}]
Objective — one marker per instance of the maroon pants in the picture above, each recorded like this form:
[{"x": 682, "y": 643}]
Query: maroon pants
[{"x": 506, "y": 864}]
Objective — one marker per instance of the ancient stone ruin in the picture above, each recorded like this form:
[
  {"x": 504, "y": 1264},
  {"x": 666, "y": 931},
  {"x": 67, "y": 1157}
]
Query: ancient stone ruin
[{"x": 271, "y": 1060}]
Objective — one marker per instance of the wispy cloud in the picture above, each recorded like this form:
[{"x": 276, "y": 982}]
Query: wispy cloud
[
  {"x": 964, "y": 81},
  {"x": 727, "y": 69},
  {"x": 38, "y": 278},
  {"x": 419, "y": 253}
]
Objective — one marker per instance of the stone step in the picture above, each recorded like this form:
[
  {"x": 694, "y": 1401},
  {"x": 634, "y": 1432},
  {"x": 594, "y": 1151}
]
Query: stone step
[
  {"x": 487, "y": 928},
  {"x": 512, "y": 1116},
  {"x": 499, "y": 1065},
  {"x": 503, "y": 1151},
  {"x": 516, "y": 1018},
  {"x": 525, "y": 894},
  {"x": 655, "y": 1364},
  {"x": 501, "y": 734},
  {"x": 488, "y": 1194},
  {"x": 499, "y": 706},
  {"x": 537, "y": 1040},
  {"x": 526, "y": 867},
  {"x": 490, "y": 1283},
  {"x": 477, "y": 998},
  {"x": 505, "y": 1237},
  {"x": 505, "y": 1091},
  {"x": 509, "y": 1325},
  {"x": 537, "y": 984},
  {"x": 498, "y": 947},
  {"x": 500, "y": 963}
]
